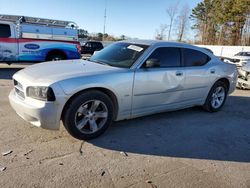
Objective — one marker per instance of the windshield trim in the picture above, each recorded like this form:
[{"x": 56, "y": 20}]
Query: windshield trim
[{"x": 139, "y": 52}]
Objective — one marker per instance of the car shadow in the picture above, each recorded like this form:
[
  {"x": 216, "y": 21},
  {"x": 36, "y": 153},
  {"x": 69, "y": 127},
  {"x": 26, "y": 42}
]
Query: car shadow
[
  {"x": 7, "y": 73},
  {"x": 190, "y": 133}
]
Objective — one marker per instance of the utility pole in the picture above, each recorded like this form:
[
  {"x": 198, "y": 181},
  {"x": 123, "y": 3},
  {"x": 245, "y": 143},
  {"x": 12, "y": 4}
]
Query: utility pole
[{"x": 105, "y": 17}]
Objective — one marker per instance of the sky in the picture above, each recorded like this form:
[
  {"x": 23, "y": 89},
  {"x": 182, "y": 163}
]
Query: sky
[{"x": 132, "y": 18}]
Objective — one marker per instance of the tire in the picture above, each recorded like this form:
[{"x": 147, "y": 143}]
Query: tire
[
  {"x": 88, "y": 115},
  {"x": 216, "y": 97},
  {"x": 55, "y": 57}
]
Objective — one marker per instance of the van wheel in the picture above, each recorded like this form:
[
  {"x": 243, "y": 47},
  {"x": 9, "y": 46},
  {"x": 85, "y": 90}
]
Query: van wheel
[
  {"x": 88, "y": 115},
  {"x": 216, "y": 97},
  {"x": 55, "y": 57}
]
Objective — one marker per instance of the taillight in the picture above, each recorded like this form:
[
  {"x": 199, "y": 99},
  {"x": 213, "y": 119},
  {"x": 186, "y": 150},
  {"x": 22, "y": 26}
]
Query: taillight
[{"x": 78, "y": 46}]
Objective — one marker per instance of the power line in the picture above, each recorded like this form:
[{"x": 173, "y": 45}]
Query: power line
[{"x": 105, "y": 17}]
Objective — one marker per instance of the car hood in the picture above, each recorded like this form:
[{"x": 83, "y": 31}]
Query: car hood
[
  {"x": 51, "y": 72},
  {"x": 241, "y": 57}
]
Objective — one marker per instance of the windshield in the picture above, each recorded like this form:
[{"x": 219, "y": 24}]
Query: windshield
[
  {"x": 243, "y": 54},
  {"x": 121, "y": 55}
]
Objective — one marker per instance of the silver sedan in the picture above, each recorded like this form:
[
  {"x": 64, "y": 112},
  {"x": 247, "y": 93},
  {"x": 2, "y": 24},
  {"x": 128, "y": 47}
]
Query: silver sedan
[{"x": 124, "y": 80}]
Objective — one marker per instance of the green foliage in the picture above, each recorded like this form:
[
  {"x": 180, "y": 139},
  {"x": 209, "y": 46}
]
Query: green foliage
[
  {"x": 82, "y": 33},
  {"x": 220, "y": 21}
]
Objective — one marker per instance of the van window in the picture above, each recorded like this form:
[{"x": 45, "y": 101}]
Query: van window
[{"x": 4, "y": 31}]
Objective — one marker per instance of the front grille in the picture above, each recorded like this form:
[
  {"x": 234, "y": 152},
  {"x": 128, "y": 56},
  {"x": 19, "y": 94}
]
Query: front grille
[
  {"x": 20, "y": 93},
  {"x": 19, "y": 89},
  {"x": 18, "y": 84}
]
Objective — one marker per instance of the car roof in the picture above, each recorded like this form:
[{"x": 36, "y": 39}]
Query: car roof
[
  {"x": 167, "y": 43},
  {"x": 158, "y": 42},
  {"x": 150, "y": 42}
]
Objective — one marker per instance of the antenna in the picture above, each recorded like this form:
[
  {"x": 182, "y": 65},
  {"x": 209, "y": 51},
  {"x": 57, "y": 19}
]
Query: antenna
[{"x": 105, "y": 17}]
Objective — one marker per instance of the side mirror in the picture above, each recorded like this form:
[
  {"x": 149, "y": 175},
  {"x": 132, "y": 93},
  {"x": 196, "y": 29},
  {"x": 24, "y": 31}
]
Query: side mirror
[{"x": 152, "y": 63}]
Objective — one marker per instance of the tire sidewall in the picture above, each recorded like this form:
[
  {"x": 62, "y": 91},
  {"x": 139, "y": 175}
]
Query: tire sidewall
[
  {"x": 53, "y": 57},
  {"x": 208, "y": 104},
  {"x": 69, "y": 115}
]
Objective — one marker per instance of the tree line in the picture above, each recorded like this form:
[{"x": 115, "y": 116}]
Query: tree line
[
  {"x": 84, "y": 34},
  {"x": 214, "y": 22},
  {"x": 222, "y": 22}
]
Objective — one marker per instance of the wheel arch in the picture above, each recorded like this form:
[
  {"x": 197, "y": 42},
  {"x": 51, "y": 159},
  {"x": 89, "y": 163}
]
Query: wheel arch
[
  {"x": 55, "y": 51},
  {"x": 226, "y": 81},
  {"x": 106, "y": 91}
]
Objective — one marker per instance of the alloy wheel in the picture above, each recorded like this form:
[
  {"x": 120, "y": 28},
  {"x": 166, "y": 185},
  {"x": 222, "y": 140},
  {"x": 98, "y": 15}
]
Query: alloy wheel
[{"x": 91, "y": 116}]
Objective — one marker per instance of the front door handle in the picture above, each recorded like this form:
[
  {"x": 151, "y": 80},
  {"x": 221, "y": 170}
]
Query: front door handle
[
  {"x": 179, "y": 73},
  {"x": 212, "y": 71}
]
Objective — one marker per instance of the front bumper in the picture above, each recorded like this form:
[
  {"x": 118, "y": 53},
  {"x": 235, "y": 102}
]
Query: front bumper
[{"x": 39, "y": 113}]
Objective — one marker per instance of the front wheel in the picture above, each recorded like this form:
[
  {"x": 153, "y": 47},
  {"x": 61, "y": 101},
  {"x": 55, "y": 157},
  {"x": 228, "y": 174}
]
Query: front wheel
[
  {"x": 216, "y": 97},
  {"x": 88, "y": 115}
]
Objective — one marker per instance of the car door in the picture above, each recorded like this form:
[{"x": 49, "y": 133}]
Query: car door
[
  {"x": 159, "y": 88},
  {"x": 87, "y": 48},
  {"x": 8, "y": 43},
  {"x": 198, "y": 73}
]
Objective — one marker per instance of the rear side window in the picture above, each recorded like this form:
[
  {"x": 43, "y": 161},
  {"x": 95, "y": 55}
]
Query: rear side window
[
  {"x": 99, "y": 45},
  {"x": 194, "y": 58},
  {"x": 4, "y": 31},
  {"x": 168, "y": 57},
  {"x": 94, "y": 44},
  {"x": 88, "y": 44}
]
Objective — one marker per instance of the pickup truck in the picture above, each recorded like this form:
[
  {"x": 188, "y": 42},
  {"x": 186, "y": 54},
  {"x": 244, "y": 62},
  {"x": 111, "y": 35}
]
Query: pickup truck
[{"x": 31, "y": 39}]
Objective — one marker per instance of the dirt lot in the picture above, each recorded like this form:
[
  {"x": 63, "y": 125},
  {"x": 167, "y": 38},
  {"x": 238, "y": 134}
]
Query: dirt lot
[{"x": 187, "y": 148}]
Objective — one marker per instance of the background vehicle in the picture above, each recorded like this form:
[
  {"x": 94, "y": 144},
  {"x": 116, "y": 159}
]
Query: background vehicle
[
  {"x": 244, "y": 77},
  {"x": 90, "y": 47},
  {"x": 124, "y": 80},
  {"x": 242, "y": 57},
  {"x": 37, "y": 39}
]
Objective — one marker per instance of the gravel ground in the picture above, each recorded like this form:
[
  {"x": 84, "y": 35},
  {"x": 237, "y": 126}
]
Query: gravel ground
[{"x": 186, "y": 148}]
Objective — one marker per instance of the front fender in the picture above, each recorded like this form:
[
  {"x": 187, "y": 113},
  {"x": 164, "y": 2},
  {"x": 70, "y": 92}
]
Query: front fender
[{"x": 119, "y": 84}]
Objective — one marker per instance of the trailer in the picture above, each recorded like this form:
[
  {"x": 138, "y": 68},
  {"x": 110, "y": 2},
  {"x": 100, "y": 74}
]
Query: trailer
[{"x": 32, "y": 39}]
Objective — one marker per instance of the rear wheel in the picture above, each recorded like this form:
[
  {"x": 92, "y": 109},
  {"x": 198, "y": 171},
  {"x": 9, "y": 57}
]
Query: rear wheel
[
  {"x": 55, "y": 57},
  {"x": 88, "y": 115},
  {"x": 216, "y": 97}
]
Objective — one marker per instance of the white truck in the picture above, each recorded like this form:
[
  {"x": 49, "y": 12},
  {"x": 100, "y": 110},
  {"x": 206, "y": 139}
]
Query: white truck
[{"x": 30, "y": 39}]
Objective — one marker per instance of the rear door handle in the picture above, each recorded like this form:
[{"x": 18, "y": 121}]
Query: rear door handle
[{"x": 179, "y": 73}]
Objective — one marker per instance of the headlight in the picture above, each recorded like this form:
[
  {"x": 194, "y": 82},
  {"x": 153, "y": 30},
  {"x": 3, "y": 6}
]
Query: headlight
[{"x": 41, "y": 93}]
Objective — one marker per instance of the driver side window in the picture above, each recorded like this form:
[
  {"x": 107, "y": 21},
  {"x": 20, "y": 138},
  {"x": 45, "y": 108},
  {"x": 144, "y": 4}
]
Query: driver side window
[
  {"x": 167, "y": 57},
  {"x": 5, "y": 31}
]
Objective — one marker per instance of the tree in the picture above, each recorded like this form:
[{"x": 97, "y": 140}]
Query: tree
[
  {"x": 239, "y": 9},
  {"x": 100, "y": 36},
  {"x": 82, "y": 33},
  {"x": 202, "y": 15},
  {"x": 246, "y": 32},
  {"x": 171, "y": 12},
  {"x": 183, "y": 22},
  {"x": 161, "y": 32},
  {"x": 123, "y": 37},
  {"x": 221, "y": 21}
]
